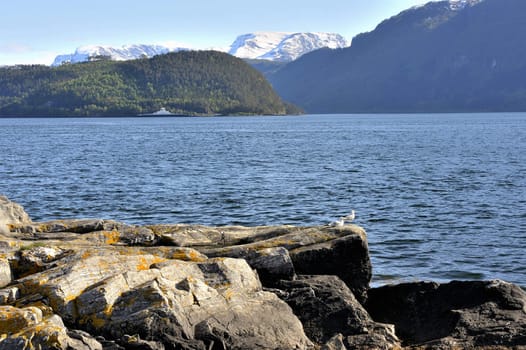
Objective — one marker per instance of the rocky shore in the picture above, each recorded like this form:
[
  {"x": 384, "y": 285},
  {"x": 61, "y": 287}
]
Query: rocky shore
[{"x": 95, "y": 284}]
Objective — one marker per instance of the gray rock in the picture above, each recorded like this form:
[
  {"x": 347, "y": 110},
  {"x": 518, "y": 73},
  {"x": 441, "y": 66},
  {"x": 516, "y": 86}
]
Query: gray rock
[
  {"x": 459, "y": 314},
  {"x": 335, "y": 343},
  {"x": 346, "y": 257},
  {"x": 11, "y": 215},
  {"x": 272, "y": 264},
  {"x": 327, "y": 308},
  {"x": 136, "y": 343},
  {"x": 30, "y": 328},
  {"x": 6, "y": 276},
  {"x": 74, "y": 225},
  {"x": 164, "y": 301},
  {"x": 36, "y": 259},
  {"x": 9, "y": 295},
  {"x": 80, "y": 340}
]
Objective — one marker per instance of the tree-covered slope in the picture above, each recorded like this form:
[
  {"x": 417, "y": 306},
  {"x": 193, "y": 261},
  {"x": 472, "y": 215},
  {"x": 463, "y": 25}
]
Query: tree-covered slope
[
  {"x": 434, "y": 58},
  {"x": 190, "y": 82}
]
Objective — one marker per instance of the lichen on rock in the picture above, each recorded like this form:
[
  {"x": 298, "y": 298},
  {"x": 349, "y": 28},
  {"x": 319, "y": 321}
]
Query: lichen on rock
[{"x": 93, "y": 284}]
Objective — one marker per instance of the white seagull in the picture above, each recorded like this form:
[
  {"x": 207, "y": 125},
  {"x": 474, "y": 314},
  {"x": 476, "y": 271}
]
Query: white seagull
[
  {"x": 341, "y": 221},
  {"x": 349, "y": 217}
]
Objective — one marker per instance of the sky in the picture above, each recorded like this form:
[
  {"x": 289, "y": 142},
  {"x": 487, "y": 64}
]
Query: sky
[{"x": 35, "y": 31}]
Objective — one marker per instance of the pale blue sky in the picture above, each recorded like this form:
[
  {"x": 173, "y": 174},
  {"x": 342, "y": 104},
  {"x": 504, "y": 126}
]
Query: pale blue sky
[{"x": 35, "y": 31}]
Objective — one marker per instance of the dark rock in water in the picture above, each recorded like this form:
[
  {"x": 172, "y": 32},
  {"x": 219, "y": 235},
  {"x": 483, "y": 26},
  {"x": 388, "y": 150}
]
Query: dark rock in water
[
  {"x": 453, "y": 315},
  {"x": 327, "y": 308},
  {"x": 346, "y": 257}
]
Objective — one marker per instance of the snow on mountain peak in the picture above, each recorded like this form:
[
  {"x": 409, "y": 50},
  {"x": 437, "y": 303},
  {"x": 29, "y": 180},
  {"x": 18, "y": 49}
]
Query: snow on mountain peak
[
  {"x": 126, "y": 52},
  {"x": 276, "y": 46},
  {"x": 460, "y": 4},
  {"x": 283, "y": 46}
]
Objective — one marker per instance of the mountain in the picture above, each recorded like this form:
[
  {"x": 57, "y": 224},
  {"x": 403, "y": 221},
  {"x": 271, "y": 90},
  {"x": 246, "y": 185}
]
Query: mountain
[
  {"x": 128, "y": 52},
  {"x": 440, "y": 57},
  {"x": 186, "y": 82},
  {"x": 283, "y": 47},
  {"x": 272, "y": 46}
]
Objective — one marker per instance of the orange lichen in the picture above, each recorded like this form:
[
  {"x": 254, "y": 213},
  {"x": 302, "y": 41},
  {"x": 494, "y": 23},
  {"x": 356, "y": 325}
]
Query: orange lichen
[
  {"x": 228, "y": 294},
  {"x": 111, "y": 237},
  {"x": 191, "y": 255},
  {"x": 144, "y": 264},
  {"x": 70, "y": 297}
]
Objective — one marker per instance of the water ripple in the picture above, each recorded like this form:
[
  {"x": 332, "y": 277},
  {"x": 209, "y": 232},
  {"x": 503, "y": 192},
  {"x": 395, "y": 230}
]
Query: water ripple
[{"x": 441, "y": 196}]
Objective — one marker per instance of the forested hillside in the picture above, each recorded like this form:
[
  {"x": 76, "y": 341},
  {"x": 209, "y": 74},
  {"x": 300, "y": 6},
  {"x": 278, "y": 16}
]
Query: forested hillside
[{"x": 189, "y": 82}]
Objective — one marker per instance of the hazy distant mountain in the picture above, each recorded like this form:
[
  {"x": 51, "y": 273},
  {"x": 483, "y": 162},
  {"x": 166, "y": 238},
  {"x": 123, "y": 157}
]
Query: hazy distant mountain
[
  {"x": 272, "y": 46},
  {"x": 283, "y": 47},
  {"x": 443, "y": 56}
]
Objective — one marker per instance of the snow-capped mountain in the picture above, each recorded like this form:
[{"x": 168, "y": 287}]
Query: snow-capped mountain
[
  {"x": 284, "y": 47},
  {"x": 128, "y": 52},
  {"x": 275, "y": 46},
  {"x": 460, "y": 4}
]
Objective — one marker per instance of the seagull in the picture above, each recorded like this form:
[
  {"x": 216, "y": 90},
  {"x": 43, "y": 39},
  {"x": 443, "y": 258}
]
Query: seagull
[
  {"x": 349, "y": 217},
  {"x": 341, "y": 221}
]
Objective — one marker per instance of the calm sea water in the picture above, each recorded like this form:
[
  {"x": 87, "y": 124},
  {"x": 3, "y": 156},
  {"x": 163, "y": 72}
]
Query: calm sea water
[{"x": 441, "y": 196}]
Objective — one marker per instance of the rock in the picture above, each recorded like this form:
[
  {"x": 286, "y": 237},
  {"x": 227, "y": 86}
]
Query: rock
[
  {"x": 178, "y": 297},
  {"x": 6, "y": 275},
  {"x": 166, "y": 301},
  {"x": 459, "y": 314},
  {"x": 214, "y": 237},
  {"x": 80, "y": 340},
  {"x": 272, "y": 264},
  {"x": 136, "y": 343},
  {"x": 9, "y": 295},
  {"x": 11, "y": 214},
  {"x": 346, "y": 257},
  {"x": 117, "y": 286},
  {"x": 335, "y": 343},
  {"x": 28, "y": 328},
  {"x": 328, "y": 309},
  {"x": 74, "y": 225},
  {"x": 75, "y": 273},
  {"x": 319, "y": 250},
  {"x": 96, "y": 231},
  {"x": 36, "y": 259}
]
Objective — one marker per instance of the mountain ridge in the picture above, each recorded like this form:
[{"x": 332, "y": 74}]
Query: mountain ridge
[
  {"x": 273, "y": 46},
  {"x": 283, "y": 46},
  {"x": 440, "y": 57}
]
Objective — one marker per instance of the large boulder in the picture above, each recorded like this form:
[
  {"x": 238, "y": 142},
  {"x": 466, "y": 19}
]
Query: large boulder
[
  {"x": 459, "y": 314},
  {"x": 206, "y": 303},
  {"x": 319, "y": 250},
  {"x": 331, "y": 314},
  {"x": 346, "y": 257}
]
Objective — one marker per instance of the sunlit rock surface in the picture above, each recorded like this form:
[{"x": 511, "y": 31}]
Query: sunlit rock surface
[{"x": 101, "y": 284}]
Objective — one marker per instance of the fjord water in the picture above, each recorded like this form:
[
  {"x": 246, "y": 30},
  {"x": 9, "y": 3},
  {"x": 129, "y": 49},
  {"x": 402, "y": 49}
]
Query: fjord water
[{"x": 441, "y": 196}]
